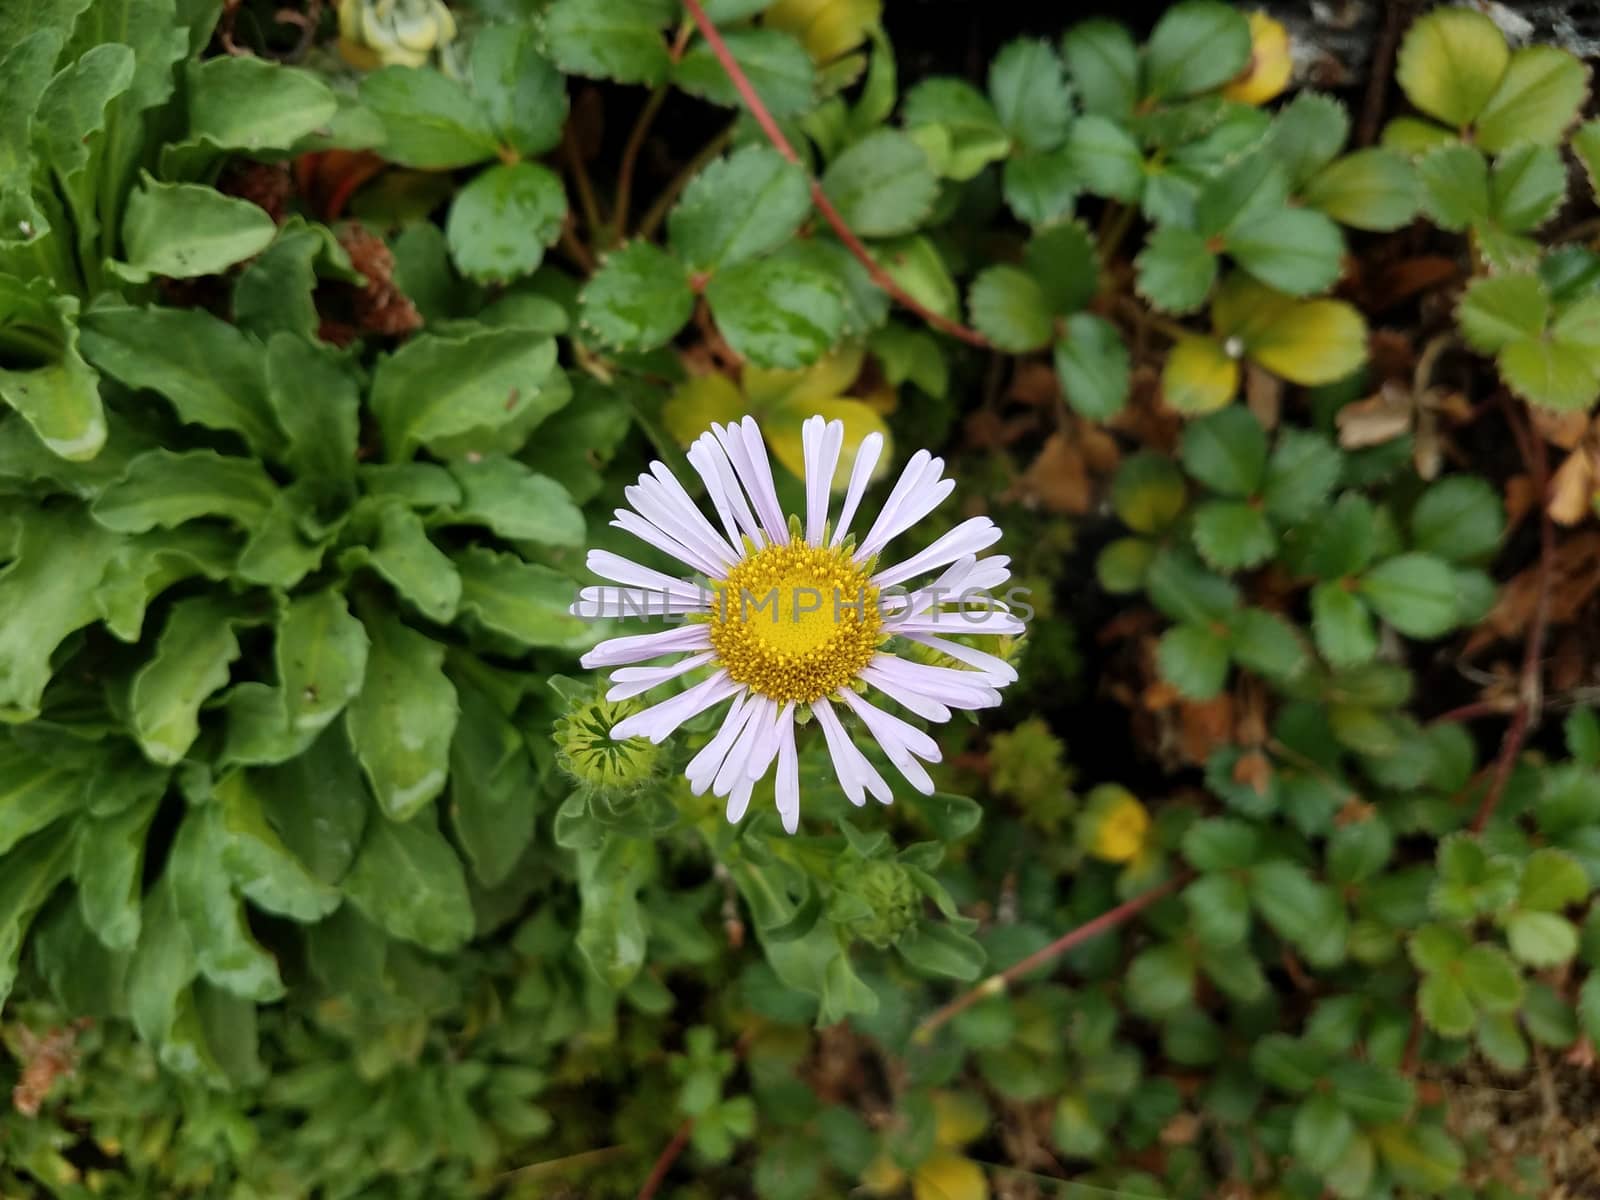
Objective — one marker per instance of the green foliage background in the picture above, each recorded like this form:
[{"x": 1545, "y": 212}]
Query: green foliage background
[{"x": 318, "y": 873}]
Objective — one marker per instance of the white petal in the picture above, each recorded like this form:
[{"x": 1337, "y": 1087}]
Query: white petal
[
  {"x": 727, "y": 497},
  {"x": 631, "y": 522},
  {"x": 944, "y": 685},
  {"x": 739, "y": 800},
  {"x": 822, "y": 441},
  {"x": 960, "y": 622},
  {"x": 659, "y": 720},
  {"x": 703, "y": 767},
  {"x": 624, "y": 570},
  {"x": 628, "y": 682},
  {"x": 899, "y": 740},
  {"x": 972, "y": 535},
  {"x": 856, "y": 775},
  {"x": 924, "y": 706},
  {"x": 731, "y": 773},
  {"x": 644, "y": 646},
  {"x": 917, "y": 493},
  {"x": 860, "y": 475},
  {"x": 652, "y": 501},
  {"x": 690, "y": 510},
  {"x": 787, "y": 787},
  {"x": 765, "y": 747},
  {"x": 762, "y": 496},
  {"x": 992, "y": 668},
  {"x": 595, "y": 602}
]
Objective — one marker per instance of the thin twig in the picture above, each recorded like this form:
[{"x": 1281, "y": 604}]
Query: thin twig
[
  {"x": 1379, "y": 70},
  {"x": 630, "y": 158},
  {"x": 658, "y": 1173},
  {"x": 780, "y": 143},
  {"x": 1530, "y": 685},
  {"x": 581, "y": 181},
  {"x": 669, "y": 194},
  {"x": 1471, "y": 712},
  {"x": 996, "y": 984}
]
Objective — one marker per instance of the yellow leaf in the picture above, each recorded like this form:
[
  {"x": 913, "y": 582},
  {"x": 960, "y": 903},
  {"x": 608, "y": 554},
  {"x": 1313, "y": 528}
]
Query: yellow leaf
[
  {"x": 1199, "y": 376},
  {"x": 882, "y": 1177},
  {"x": 959, "y": 1118},
  {"x": 691, "y": 409},
  {"x": 1451, "y": 62},
  {"x": 1311, "y": 342},
  {"x": 1270, "y": 66},
  {"x": 782, "y": 429},
  {"x": 1117, "y": 823},
  {"x": 826, "y": 28},
  {"x": 949, "y": 1177},
  {"x": 824, "y": 379}
]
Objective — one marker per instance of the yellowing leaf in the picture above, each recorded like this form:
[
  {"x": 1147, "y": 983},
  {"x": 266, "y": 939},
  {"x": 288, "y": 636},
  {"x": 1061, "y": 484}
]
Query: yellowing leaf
[
  {"x": 1116, "y": 823},
  {"x": 882, "y": 1177},
  {"x": 826, "y": 28},
  {"x": 1199, "y": 376},
  {"x": 959, "y": 1118},
  {"x": 1270, "y": 63},
  {"x": 782, "y": 429},
  {"x": 1451, "y": 62},
  {"x": 1311, "y": 342},
  {"x": 700, "y": 401},
  {"x": 949, "y": 1177},
  {"x": 829, "y": 376},
  {"x": 1538, "y": 97}
]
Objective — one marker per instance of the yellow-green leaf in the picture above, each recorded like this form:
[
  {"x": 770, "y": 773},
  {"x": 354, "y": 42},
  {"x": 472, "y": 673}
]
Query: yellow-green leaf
[
  {"x": 949, "y": 1177},
  {"x": 698, "y": 402},
  {"x": 1310, "y": 343},
  {"x": 1539, "y": 96},
  {"x": 1451, "y": 62},
  {"x": 1199, "y": 376}
]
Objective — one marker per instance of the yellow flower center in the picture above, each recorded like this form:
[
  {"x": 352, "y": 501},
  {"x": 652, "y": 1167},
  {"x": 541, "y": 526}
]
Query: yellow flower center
[{"x": 795, "y": 622}]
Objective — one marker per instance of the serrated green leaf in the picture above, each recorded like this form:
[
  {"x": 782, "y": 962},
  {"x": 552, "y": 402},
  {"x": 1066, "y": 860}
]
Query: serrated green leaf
[
  {"x": 1232, "y": 535},
  {"x": 1499, "y": 309},
  {"x": 1177, "y": 269},
  {"x": 621, "y": 41},
  {"x": 1526, "y": 187},
  {"x": 501, "y": 222},
  {"x": 1455, "y": 186},
  {"x": 882, "y": 186},
  {"x": 1193, "y": 660},
  {"x": 1104, "y": 62},
  {"x": 774, "y": 62},
  {"x": 777, "y": 312},
  {"x": 1491, "y": 978},
  {"x": 1226, "y": 451},
  {"x": 1030, "y": 94},
  {"x": 739, "y": 208},
  {"x": 1538, "y": 97},
  {"x": 1196, "y": 45},
  {"x": 1413, "y": 592},
  {"x": 1219, "y": 909},
  {"x": 1221, "y": 844},
  {"x": 1011, "y": 309},
  {"x": 966, "y": 118},
  {"x": 1322, "y": 1133},
  {"x": 523, "y": 96},
  {"x": 1341, "y": 626},
  {"x": 638, "y": 299},
  {"x": 401, "y": 723},
  {"x": 1265, "y": 643},
  {"x": 1094, "y": 366},
  {"x": 1541, "y": 939},
  {"x": 1550, "y": 373},
  {"x": 431, "y": 121},
  {"x": 1040, "y": 188},
  {"x": 1459, "y": 519},
  {"x": 1375, "y": 189},
  {"x": 1106, "y": 158},
  {"x": 1294, "y": 250},
  {"x": 1307, "y": 135}
]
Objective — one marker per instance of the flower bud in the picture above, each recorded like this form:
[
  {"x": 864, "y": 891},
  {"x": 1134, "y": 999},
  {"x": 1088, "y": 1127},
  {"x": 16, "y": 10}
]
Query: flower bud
[{"x": 876, "y": 901}]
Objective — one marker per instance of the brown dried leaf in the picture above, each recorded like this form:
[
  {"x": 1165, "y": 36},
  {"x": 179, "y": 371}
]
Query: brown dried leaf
[
  {"x": 1205, "y": 726},
  {"x": 1564, "y": 429},
  {"x": 1574, "y": 580},
  {"x": 1263, "y": 395},
  {"x": 1379, "y": 418},
  {"x": 1057, "y": 480},
  {"x": 1572, "y": 488}
]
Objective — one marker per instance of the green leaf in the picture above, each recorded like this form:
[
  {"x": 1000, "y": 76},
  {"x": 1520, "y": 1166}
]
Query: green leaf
[
  {"x": 1371, "y": 1092},
  {"x": 1104, "y": 63},
  {"x": 1322, "y": 1133},
  {"x": 404, "y": 555},
  {"x": 1541, "y": 939},
  {"x": 38, "y": 790},
  {"x": 1194, "y": 660},
  {"x": 1030, "y": 94},
  {"x": 1226, "y": 451},
  {"x": 1500, "y": 309},
  {"x": 1160, "y": 981},
  {"x": 192, "y": 660},
  {"x": 1460, "y": 519},
  {"x": 1232, "y": 534},
  {"x": 776, "y": 65},
  {"x": 1550, "y": 373},
  {"x": 1197, "y": 45},
  {"x": 882, "y": 186},
  {"x": 1221, "y": 844},
  {"x": 965, "y": 118},
  {"x": 1199, "y": 376},
  {"x": 1416, "y": 593},
  {"x": 431, "y": 120},
  {"x": 1425, "y": 1157},
  {"x": 224, "y": 949},
  {"x": 1265, "y": 643},
  {"x": 1180, "y": 587},
  {"x": 941, "y": 952},
  {"x": 1341, "y": 626},
  {"x": 501, "y": 222},
  {"x": 240, "y": 102},
  {"x": 515, "y": 503},
  {"x": 1177, "y": 269},
  {"x": 1307, "y": 135},
  {"x": 1094, "y": 366},
  {"x": 1040, "y": 187},
  {"x": 50, "y": 385},
  {"x": 213, "y": 374},
  {"x": 1359, "y": 850},
  {"x": 1526, "y": 187},
  {"x": 523, "y": 601},
  {"x": 261, "y": 866},
  {"x": 638, "y": 299},
  {"x": 1148, "y": 492},
  {"x": 317, "y": 804},
  {"x": 1301, "y": 473},
  {"x": 1455, "y": 186},
  {"x": 521, "y": 94},
  {"x": 740, "y": 207},
  {"x": 436, "y": 388},
  {"x": 1219, "y": 909},
  {"x": 491, "y": 783},
  {"x": 323, "y": 434},
  {"x": 1106, "y": 158},
  {"x": 1538, "y": 97},
  {"x": 1375, "y": 189},
  {"x": 163, "y": 965},
  {"x": 1586, "y": 145},
  {"x": 1010, "y": 308},
  {"x": 1296, "y": 251},
  {"x": 620, "y": 41},
  {"x": 1290, "y": 1064},
  {"x": 408, "y": 881},
  {"x": 162, "y": 489},
  {"x": 108, "y": 864},
  {"x": 1491, "y": 978},
  {"x": 1551, "y": 880},
  {"x": 33, "y": 869},
  {"x": 1301, "y": 909},
  {"x": 1451, "y": 62},
  {"x": 321, "y": 655},
  {"x": 777, "y": 312},
  {"x": 402, "y": 722},
  {"x": 612, "y": 931}
]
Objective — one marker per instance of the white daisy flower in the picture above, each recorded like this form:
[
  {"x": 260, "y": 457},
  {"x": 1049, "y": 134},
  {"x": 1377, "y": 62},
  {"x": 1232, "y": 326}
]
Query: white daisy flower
[{"x": 789, "y": 617}]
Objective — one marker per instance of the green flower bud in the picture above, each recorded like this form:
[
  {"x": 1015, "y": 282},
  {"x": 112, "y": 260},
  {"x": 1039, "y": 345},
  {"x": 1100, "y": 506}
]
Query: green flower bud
[
  {"x": 381, "y": 33},
  {"x": 875, "y": 901},
  {"x": 1027, "y": 765},
  {"x": 586, "y": 751}
]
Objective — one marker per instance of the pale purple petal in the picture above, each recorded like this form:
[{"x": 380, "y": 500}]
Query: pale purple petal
[
  {"x": 967, "y": 538},
  {"x": 822, "y": 441},
  {"x": 638, "y": 648},
  {"x": 628, "y": 682},
  {"x": 856, "y": 775},
  {"x": 703, "y": 767},
  {"x": 860, "y": 475},
  {"x": 659, "y": 720},
  {"x": 787, "y": 786}
]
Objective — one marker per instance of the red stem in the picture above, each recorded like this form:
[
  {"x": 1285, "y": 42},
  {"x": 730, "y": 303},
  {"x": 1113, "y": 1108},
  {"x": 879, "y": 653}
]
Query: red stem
[
  {"x": 769, "y": 127},
  {"x": 996, "y": 984},
  {"x": 658, "y": 1173}
]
